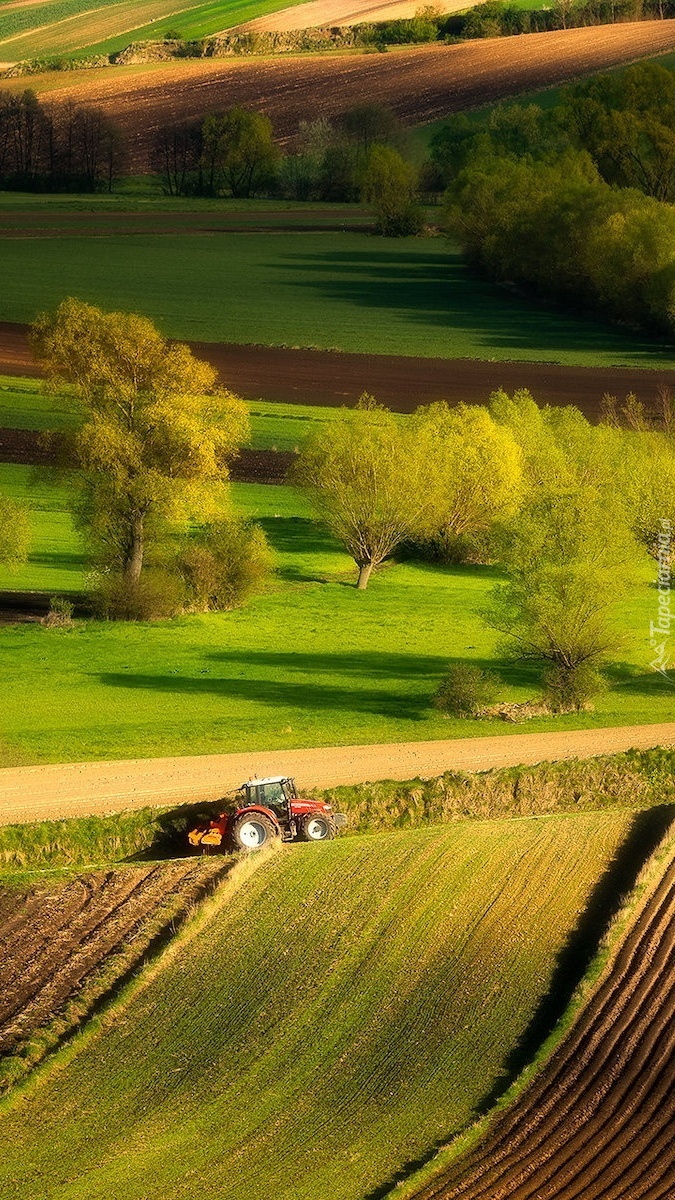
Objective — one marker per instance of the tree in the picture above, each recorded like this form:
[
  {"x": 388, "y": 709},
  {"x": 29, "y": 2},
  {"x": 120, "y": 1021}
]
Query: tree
[
  {"x": 569, "y": 560},
  {"x": 238, "y": 152},
  {"x": 365, "y": 475},
  {"x": 474, "y": 471},
  {"x": 157, "y": 434},
  {"x": 368, "y": 125},
  {"x": 14, "y": 532},
  {"x": 390, "y": 185}
]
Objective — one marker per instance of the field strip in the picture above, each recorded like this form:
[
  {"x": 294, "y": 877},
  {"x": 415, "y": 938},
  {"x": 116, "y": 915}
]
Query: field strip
[
  {"x": 598, "y": 1121},
  {"x": 85, "y": 789},
  {"x": 340, "y": 12},
  {"x": 332, "y": 378}
]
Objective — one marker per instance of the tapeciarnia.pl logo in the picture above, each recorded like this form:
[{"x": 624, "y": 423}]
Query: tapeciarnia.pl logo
[{"x": 660, "y": 630}]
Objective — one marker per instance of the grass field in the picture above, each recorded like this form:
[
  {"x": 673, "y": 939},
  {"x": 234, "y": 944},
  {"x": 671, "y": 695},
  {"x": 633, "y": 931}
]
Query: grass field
[
  {"x": 66, "y": 27},
  {"x": 344, "y": 291},
  {"x": 26, "y": 404},
  {"x": 311, "y": 662},
  {"x": 320, "y": 1062}
]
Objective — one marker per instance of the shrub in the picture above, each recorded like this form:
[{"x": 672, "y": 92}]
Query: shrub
[
  {"x": 158, "y": 593},
  {"x": 226, "y": 563},
  {"x": 60, "y": 615},
  {"x": 571, "y": 688},
  {"x": 464, "y": 690}
]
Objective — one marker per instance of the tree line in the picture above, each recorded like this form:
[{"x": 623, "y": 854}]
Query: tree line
[
  {"x": 358, "y": 156},
  {"x": 569, "y": 511},
  {"x": 574, "y": 203},
  {"x": 57, "y": 148}
]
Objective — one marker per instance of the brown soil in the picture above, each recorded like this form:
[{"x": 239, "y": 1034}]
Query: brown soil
[
  {"x": 422, "y": 84},
  {"x": 599, "y": 1122},
  {"x": 30, "y": 447},
  {"x": 54, "y": 942},
  {"x": 325, "y": 377}
]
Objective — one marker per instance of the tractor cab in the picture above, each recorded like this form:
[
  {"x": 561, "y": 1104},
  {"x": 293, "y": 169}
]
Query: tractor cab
[
  {"x": 276, "y": 793},
  {"x": 268, "y": 809}
]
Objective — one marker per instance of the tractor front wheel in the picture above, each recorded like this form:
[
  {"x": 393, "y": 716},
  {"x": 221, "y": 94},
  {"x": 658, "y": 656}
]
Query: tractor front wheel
[
  {"x": 317, "y": 827},
  {"x": 254, "y": 832}
]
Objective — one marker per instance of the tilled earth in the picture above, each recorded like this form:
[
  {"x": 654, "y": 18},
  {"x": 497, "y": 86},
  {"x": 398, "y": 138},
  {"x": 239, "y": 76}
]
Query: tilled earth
[
  {"x": 330, "y": 378},
  {"x": 599, "y": 1123},
  {"x": 422, "y": 84},
  {"x": 55, "y": 941}
]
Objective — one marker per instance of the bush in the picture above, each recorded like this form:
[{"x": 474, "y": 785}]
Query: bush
[
  {"x": 60, "y": 615},
  {"x": 464, "y": 691},
  {"x": 569, "y": 689},
  {"x": 159, "y": 593},
  {"x": 227, "y": 562}
]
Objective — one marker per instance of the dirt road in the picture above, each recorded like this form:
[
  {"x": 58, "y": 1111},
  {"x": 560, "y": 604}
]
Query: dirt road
[
  {"x": 330, "y": 378},
  {"x": 83, "y": 789}
]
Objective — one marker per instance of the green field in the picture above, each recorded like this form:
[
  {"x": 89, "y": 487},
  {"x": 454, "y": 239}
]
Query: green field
[
  {"x": 78, "y": 27},
  {"x": 344, "y": 291},
  {"x": 311, "y": 662},
  {"x": 27, "y": 404},
  {"x": 325, "y": 1021}
]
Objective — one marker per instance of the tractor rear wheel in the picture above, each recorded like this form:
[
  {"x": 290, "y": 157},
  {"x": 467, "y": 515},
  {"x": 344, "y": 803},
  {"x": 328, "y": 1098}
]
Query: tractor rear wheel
[
  {"x": 253, "y": 832},
  {"x": 317, "y": 827}
]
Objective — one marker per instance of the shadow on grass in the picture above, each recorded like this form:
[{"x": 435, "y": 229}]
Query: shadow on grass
[
  {"x": 442, "y": 289},
  {"x": 314, "y": 693},
  {"x": 627, "y": 679},
  {"x": 303, "y": 537},
  {"x": 646, "y": 831}
]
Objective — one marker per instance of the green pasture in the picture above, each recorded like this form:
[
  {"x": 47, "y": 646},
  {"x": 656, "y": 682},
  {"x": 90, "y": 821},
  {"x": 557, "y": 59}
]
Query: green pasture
[
  {"x": 322, "y": 1062},
  {"x": 84, "y": 27},
  {"x": 29, "y": 404},
  {"x": 344, "y": 291},
  {"x": 310, "y": 662}
]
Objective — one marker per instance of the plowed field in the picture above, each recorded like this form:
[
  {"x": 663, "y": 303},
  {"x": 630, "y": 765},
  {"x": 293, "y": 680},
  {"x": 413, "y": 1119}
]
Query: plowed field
[
  {"x": 329, "y": 379},
  {"x": 600, "y": 1122},
  {"x": 54, "y": 942},
  {"x": 421, "y": 83},
  {"x": 323, "y": 1023}
]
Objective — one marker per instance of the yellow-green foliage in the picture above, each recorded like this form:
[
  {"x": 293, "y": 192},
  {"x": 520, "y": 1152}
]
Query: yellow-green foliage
[{"x": 345, "y": 1009}]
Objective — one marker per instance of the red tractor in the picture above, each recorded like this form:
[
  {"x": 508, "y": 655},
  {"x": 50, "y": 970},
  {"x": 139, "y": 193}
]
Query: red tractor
[{"x": 268, "y": 808}]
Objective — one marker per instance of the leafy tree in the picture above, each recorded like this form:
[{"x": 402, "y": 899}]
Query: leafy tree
[
  {"x": 368, "y": 125},
  {"x": 569, "y": 560},
  {"x": 390, "y": 185},
  {"x": 157, "y": 434},
  {"x": 646, "y": 477},
  {"x": 14, "y": 532},
  {"x": 366, "y": 478},
  {"x": 626, "y": 121},
  {"x": 238, "y": 152},
  {"x": 474, "y": 471},
  {"x": 301, "y": 172}
]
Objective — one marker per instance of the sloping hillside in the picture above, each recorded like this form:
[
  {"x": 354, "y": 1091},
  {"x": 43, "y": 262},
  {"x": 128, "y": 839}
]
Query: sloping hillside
[
  {"x": 600, "y": 1121},
  {"x": 421, "y": 83},
  {"x": 326, "y": 1022}
]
